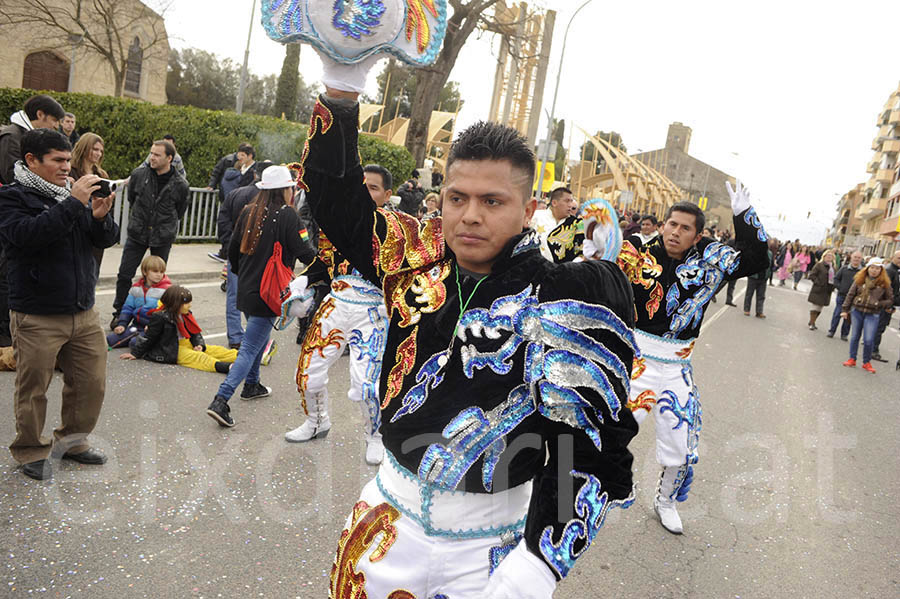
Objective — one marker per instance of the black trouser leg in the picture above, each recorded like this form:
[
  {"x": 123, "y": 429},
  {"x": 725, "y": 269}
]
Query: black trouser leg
[
  {"x": 760, "y": 295},
  {"x": 132, "y": 254},
  {"x": 883, "y": 321},
  {"x": 5, "y": 337}
]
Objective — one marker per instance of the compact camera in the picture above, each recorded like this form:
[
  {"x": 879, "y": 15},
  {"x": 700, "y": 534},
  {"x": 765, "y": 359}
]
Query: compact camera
[{"x": 107, "y": 187}]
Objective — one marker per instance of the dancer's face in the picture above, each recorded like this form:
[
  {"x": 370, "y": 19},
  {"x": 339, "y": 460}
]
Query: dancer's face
[
  {"x": 485, "y": 204},
  {"x": 680, "y": 233}
]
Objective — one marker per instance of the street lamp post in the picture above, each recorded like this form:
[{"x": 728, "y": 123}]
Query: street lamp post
[
  {"x": 239, "y": 108},
  {"x": 555, "y": 93}
]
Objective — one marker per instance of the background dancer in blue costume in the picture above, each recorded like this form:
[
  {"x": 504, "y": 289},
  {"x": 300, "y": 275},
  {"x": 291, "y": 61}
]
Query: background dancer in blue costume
[
  {"x": 673, "y": 277},
  {"x": 495, "y": 357}
]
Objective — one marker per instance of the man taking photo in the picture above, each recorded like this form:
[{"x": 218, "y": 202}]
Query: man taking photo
[{"x": 49, "y": 230}]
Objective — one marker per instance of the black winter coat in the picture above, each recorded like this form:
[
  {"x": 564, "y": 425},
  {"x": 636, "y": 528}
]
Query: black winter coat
[
  {"x": 224, "y": 163},
  {"x": 230, "y": 210},
  {"x": 159, "y": 343},
  {"x": 411, "y": 198},
  {"x": 843, "y": 279},
  {"x": 49, "y": 248},
  {"x": 153, "y": 219},
  {"x": 285, "y": 228}
]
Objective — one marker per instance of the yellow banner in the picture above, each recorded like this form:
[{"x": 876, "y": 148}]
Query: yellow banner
[{"x": 549, "y": 177}]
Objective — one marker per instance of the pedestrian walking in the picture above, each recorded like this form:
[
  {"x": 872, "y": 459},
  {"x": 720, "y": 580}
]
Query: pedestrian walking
[
  {"x": 48, "y": 227},
  {"x": 268, "y": 220},
  {"x": 843, "y": 279},
  {"x": 756, "y": 284},
  {"x": 799, "y": 264},
  {"x": 822, "y": 277},
  {"x": 158, "y": 198},
  {"x": 892, "y": 272},
  {"x": 869, "y": 296}
]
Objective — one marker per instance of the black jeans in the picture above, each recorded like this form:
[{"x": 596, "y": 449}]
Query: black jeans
[
  {"x": 883, "y": 322},
  {"x": 729, "y": 292},
  {"x": 759, "y": 287},
  {"x": 132, "y": 254},
  {"x": 5, "y": 337}
]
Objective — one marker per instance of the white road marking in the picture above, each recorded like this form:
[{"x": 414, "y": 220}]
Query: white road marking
[
  {"x": 722, "y": 310},
  {"x": 192, "y": 286}
]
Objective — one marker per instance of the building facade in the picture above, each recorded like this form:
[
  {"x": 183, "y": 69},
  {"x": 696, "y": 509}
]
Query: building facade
[
  {"x": 697, "y": 178},
  {"x": 44, "y": 57},
  {"x": 877, "y": 205}
]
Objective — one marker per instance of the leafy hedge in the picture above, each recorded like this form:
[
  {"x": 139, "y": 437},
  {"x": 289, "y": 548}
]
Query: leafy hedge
[{"x": 203, "y": 136}]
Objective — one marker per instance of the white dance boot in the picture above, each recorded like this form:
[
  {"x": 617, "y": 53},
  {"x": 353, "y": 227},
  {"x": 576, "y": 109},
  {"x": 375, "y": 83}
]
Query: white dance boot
[
  {"x": 664, "y": 502},
  {"x": 317, "y": 424},
  {"x": 374, "y": 446}
]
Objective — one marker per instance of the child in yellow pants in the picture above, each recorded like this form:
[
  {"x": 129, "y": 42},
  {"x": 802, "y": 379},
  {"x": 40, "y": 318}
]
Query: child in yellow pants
[
  {"x": 204, "y": 360},
  {"x": 174, "y": 337}
]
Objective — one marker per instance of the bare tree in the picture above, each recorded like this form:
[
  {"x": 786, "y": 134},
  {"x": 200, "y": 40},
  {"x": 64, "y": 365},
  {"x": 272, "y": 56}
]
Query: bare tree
[
  {"x": 103, "y": 27},
  {"x": 431, "y": 79}
]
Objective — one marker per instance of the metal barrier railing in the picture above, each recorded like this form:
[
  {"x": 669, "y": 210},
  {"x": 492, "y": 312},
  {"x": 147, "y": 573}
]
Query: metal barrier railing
[{"x": 198, "y": 224}]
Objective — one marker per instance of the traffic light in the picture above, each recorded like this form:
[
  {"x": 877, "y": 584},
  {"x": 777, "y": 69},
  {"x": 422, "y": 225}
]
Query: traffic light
[{"x": 702, "y": 202}]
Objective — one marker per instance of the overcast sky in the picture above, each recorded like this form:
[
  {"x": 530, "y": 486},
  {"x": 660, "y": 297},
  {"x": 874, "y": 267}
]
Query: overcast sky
[{"x": 784, "y": 95}]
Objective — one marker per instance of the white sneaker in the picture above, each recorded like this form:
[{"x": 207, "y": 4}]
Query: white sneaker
[
  {"x": 374, "y": 451},
  {"x": 307, "y": 432},
  {"x": 668, "y": 515}
]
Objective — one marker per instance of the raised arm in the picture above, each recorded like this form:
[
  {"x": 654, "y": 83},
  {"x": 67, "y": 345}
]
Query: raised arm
[
  {"x": 378, "y": 243},
  {"x": 750, "y": 238}
]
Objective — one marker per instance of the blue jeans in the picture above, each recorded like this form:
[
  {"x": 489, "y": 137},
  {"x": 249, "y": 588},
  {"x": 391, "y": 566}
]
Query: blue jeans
[
  {"x": 234, "y": 324},
  {"x": 246, "y": 366},
  {"x": 836, "y": 317},
  {"x": 867, "y": 324}
]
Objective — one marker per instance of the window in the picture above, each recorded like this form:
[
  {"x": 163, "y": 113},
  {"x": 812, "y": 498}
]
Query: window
[{"x": 133, "y": 68}]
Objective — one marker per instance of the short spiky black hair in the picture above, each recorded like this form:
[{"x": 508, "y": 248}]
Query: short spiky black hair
[
  {"x": 492, "y": 141},
  {"x": 558, "y": 193},
  {"x": 40, "y": 142},
  {"x": 699, "y": 217}
]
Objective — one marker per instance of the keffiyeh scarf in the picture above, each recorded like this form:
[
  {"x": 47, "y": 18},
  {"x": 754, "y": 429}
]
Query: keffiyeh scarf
[{"x": 29, "y": 179}]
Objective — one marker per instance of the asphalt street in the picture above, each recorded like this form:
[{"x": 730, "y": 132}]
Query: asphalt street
[{"x": 795, "y": 494}]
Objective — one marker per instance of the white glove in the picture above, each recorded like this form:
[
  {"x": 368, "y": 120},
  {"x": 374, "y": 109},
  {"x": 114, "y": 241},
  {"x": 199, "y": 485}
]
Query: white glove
[
  {"x": 521, "y": 575},
  {"x": 740, "y": 197},
  {"x": 347, "y": 77},
  {"x": 298, "y": 304}
]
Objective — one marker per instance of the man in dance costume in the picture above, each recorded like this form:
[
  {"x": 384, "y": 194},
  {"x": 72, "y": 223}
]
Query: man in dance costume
[
  {"x": 353, "y": 313},
  {"x": 673, "y": 277},
  {"x": 494, "y": 358}
]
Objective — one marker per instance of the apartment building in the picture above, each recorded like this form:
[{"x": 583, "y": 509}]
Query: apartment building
[{"x": 879, "y": 208}]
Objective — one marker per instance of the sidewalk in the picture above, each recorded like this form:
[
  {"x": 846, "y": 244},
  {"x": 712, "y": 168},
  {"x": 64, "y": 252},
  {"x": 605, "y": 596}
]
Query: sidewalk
[{"x": 187, "y": 262}]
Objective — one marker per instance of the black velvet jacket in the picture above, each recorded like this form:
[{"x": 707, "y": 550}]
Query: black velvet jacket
[
  {"x": 540, "y": 362},
  {"x": 670, "y": 295}
]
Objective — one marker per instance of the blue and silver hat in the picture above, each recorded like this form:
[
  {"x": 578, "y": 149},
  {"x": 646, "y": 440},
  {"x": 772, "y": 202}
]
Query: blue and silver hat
[{"x": 349, "y": 31}]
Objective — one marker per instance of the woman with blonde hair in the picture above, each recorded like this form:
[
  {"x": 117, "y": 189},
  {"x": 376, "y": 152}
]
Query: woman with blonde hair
[
  {"x": 822, "y": 277},
  {"x": 87, "y": 158},
  {"x": 870, "y": 294}
]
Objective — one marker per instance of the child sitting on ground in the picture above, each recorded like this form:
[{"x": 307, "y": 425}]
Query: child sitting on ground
[
  {"x": 143, "y": 297},
  {"x": 173, "y": 337}
]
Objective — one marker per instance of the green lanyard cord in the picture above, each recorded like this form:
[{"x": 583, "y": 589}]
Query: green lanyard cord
[{"x": 463, "y": 306}]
